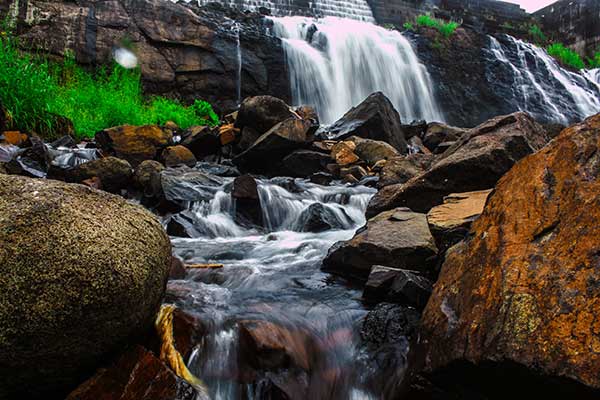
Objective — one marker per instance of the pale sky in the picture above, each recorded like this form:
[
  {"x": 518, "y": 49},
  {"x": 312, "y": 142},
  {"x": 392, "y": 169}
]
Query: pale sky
[{"x": 531, "y": 5}]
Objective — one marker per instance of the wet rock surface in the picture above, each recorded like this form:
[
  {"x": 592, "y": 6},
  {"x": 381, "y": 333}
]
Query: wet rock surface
[
  {"x": 134, "y": 143},
  {"x": 113, "y": 173},
  {"x": 72, "y": 260},
  {"x": 394, "y": 285},
  {"x": 526, "y": 278}
]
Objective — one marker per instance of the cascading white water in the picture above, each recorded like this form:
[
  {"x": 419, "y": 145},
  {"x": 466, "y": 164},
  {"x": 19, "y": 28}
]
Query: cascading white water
[
  {"x": 593, "y": 75},
  {"x": 539, "y": 85},
  {"x": 238, "y": 53},
  {"x": 274, "y": 276},
  {"x": 335, "y": 63}
]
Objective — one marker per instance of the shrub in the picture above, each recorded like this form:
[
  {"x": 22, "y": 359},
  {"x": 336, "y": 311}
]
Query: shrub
[
  {"x": 536, "y": 34},
  {"x": 566, "y": 56},
  {"x": 408, "y": 26},
  {"x": 594, "y": 62},
  {"x": 33, "y": 91},
  {"x": 445, "y": 28}
]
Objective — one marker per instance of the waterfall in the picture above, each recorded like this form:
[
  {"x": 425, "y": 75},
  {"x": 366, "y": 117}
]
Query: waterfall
[
  {"x": 236, "y": 29},
  {"x": 537, "y": 84},
  {"x": 335, "y": 63}
]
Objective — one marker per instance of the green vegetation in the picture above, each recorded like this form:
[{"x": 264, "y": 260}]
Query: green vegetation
[
  {"x": 408, "y": 26},
  {"x": 445, "y": 28},
  {"x": 537, "y": 35},
  {"x": 507, "y": 25},
  {"x": 594, "y": 62},
  {"x": 33, "y": 92},
  {"x": 565, "y": 55}
]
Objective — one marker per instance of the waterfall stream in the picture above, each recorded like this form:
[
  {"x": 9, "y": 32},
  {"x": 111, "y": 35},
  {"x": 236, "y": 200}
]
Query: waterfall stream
[
  {"x": 335, "y": 63},
  {"x": 538, "y": 85},
  {"x": 274, "y": 275}
]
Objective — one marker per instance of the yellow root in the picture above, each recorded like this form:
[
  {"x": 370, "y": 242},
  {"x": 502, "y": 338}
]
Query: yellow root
[{"x": 168, "y": 352}]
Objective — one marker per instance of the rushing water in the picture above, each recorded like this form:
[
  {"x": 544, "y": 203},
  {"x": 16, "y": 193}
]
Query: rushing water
[
  {"x": 538, "y": 85},
  {"x": 275, "y": 275},
  {"x": 335, "y": 63}
]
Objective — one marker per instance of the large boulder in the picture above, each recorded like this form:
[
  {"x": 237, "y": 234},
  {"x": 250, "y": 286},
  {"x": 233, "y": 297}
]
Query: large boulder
[
  {"x": 134, "y": 143},
  {"x": 395, "y": 285},
  {"x": 114, "y": 174},
  {"x": 371, "y": 151},
  {"x": 375, "y": 118},
  {"x": 304, "y": 163},
  {"x": 475, "y": 162},
  {"x": 180, "y": 186},
  {"x": 319, "y": 217},
  {"x": 261, "y": 113},
  {"x": 402, "y": 168},
  {"x": 267, "y": 153},
  {"x": 72, "y": 259},
  {"x": 521, "y": 296},
  {"x": 398, "y": 238},
  {"x": 174, "y": 156}
]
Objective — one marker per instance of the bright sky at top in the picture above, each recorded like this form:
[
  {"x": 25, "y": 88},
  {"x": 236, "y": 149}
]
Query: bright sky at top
[{"x": 531, "y": 5}]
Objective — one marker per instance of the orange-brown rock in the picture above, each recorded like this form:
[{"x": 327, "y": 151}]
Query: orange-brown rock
[
  {"x": 174, "y": 156},
  {"x": 523, "y": 292},
  {"x": 459, "y": 209},
  {"x": 343, "y": 153},
  {"x": 137, "y": 375},
  {"x": 15, "y": 138},
  {"x": 228, "y": 134},
  {"x": 134, "y": 143}
]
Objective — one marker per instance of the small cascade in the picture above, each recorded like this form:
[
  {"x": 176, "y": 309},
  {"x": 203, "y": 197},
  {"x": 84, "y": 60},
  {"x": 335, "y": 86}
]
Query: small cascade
[
  {"x": 537, "y": 84},
  {"x": 236, "y": 30},
  {"x": 335, "y": 63},
  {"x": 272, "y": 275}
]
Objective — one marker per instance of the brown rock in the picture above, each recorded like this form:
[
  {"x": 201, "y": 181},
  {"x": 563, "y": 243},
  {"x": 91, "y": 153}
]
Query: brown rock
[
  {"x": 437, "y": 133},
  {"x": 343, "y": 153},
  {"x": 228, "y": 134},
  {"x": 174, "y": 156},
  {"x": 133, "y": 143},
  {"x": 522, "y": 294},
  {"x": 458, "y": 210},
  {"x": 371, "y": 151},
  {"x": 398, "y": 238},
  {"x": 395, "y": 285},
  {"x": 248, "y": 211},
  {"x": 402, "y": 168},
  {"x": 142, "y": 176},
  {"x": 177, "y": 270},
  {"x": 136, "y": 375},
  {"x": 475, "y": 162},
  {"x": 202, "y": 141},
  {"x": 261, "y": 113},
  {"x": 114, "y": 174},
  {"x": 15, "y": 138}
]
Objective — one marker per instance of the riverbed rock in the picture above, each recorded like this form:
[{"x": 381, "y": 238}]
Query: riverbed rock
[
  {"x": 521, "y": 295},
  {"x": 397, "y": 238},
  {"x": 137, "y": 374},
  {"x": 142, "y": 176},
  {"x": 395, "y": 285},
  {"x": 174, "y": 156},
  {"x": 114, "y": 174},
  {"x": 343, "y": 153},
  {"x": 402, "y": 168},
  {"x": 476, "y": 162},
  {"x": 266, "y": 154},
  {"x": 248, "y": 210},
  {"x": 202, "y": 141},
  {"x": 72, "y": 260},
  {"x": 375, "y": 118},
  {"x": 371, "y": 151},
  {"x": 179, "y": 186},
  {"x": 303, "y": 163},
  {"x": 261, "y": 113},
  {"x": 390, "y": 323},
  {"x": 34, "y": 161},
  {"x": 133, "y": 143},
  {"x": 318, "y": 218},
  {"x": 438, "y": 132}
]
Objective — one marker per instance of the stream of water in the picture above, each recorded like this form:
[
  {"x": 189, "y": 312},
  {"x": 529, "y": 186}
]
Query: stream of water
[{"x": 275, "y": 276}]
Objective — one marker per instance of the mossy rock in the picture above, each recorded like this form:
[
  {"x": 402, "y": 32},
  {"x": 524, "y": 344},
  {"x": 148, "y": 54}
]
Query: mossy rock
[{"x": 82, "y": 274}]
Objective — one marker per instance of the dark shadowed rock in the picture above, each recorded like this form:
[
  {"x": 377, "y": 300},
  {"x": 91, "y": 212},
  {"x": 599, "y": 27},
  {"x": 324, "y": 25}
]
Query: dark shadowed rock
[
  {"x": 142, "y": 176},
  {"x": 303, "y": 163},
  {"x": 402, "y": 168},
  {"x": 318, "y": 218},
  {"x": 33, "y": 161},
  {"x": 397, "y": 286},
  {"x": 267, "y": 153},
  {"x": 114, "y": 174},
  {"x": 475, "y": 162},
  {"x": 398, "y": 238},
  {"x": 202, "y": 141},
  {"x": 72, "y": 260},
  {"x": 179, "y": 186},
  {"x": 137, "y": 374},
  {"x": 389, "y": 323},
  {"x": 133, "y": 143},
  {"x": 520, "y": 297},
  {"x": 177, "y": 270},
  {"x": 321, "y": 178},
  {"x": 261, "y": 113},
  {"x": 174, "y": 156},
  {"x": 438, "y": 133},
  {"x": 375, "y": 118},
  {"x": 248, "y": 210}
]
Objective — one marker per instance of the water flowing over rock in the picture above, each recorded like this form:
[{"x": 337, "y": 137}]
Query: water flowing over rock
[
  {"x": 520, "y": 297},
  {"x": 334, "y": 64},
  {"x": 72, "y": 260}
]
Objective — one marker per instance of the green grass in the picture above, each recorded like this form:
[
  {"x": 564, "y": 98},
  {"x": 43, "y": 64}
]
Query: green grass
[
  {"x": 537, "y": 35},
  {"x": 594, "y": 62},
  {"x": 445, "y": 28},
  {"x": 408, "y": 26},
  {"x": 33, "y": 91},
  {"x": 566, "y": 56}
]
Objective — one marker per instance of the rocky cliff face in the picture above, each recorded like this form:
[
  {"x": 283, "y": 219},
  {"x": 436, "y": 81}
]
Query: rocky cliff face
[{"x": 184, "y": 51}]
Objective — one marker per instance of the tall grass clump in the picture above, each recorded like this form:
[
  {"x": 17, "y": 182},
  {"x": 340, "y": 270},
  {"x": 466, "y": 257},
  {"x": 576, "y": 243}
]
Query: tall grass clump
[
  {"x": 33, "y": 92},
  {"x": 566, "y": 56},
  {"x": 536, "y": 34},
  {"x": 594, "y": 62},
  {"x": 445, "y": 28},
  {"x": 26, "y": 88}
]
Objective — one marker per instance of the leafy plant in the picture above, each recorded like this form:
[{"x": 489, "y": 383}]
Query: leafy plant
[
  {"x": 408, "y": 26},
  {"x": 594, "y": 62},
  {"x": 507, "y": 25},
  {"x": 33, "y": 92},
  {"x": 565, "y": 55},
  {"x": 536, "y": 34},
  {"x": 445, "y": 28}
]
